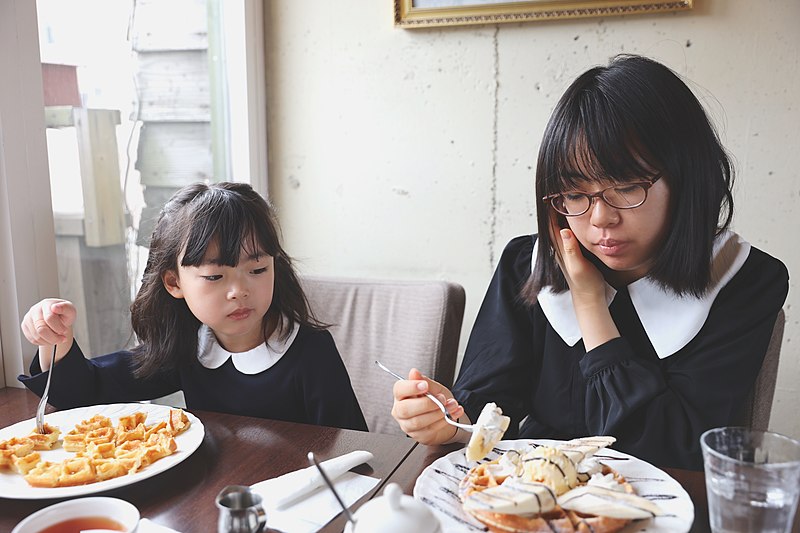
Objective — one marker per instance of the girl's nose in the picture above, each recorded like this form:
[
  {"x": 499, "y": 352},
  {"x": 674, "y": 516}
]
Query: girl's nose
[
  {"x": 602, "y": 214},
  {"x": 237, "y": 291}
]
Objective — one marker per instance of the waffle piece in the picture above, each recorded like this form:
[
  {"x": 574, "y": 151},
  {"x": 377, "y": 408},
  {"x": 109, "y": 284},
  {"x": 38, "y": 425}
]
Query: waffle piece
[
  {"x": 23, "y": 465},
  {"x": 96, "y": 422},
  {"x": 46, "y": 440},
  {"x": 128, "y": 423},
  {"x": 45, "y": 474},
  {"x": 178, "y": 421},
  {"x": 135, "y": 433}
]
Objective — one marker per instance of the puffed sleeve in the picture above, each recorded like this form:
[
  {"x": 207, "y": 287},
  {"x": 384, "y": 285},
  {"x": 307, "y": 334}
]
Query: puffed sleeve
[
  {"x": 328, "y": 394},
  {"x": 498, "y": 357},
  {"x": 657, "y": 409},
  {"x": 79, "y": 382}
]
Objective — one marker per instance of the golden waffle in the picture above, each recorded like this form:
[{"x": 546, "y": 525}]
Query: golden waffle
[
  {"x": 481, "y": 477},
  {"x": 102, "y": 451}
]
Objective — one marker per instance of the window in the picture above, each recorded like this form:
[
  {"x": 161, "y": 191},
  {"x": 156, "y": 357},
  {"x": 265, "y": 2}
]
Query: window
[{"x": 140, "y": 99}]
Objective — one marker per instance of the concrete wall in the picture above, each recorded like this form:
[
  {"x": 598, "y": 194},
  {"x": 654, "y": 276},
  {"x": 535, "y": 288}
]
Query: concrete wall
[{"x": 410, "y": 153}]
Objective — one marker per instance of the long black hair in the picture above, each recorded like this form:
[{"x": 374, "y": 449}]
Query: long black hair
[
  {"x": 236, "y": 219},
  {"x": 631, "y": 120}
]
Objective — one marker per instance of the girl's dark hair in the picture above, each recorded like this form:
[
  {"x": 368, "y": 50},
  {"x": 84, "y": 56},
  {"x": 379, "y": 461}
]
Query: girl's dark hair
[
  {"x": 631, "y": 120},
  {"x": 236, "y": 218}
]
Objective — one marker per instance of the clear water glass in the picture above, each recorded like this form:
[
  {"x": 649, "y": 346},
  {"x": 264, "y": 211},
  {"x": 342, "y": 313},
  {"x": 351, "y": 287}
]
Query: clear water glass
[{"x": 752, "y": 480}]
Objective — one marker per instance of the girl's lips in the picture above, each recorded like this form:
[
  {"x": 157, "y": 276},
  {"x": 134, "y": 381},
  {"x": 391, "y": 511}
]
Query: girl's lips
[
  {"x": 240, "y": 314},
  {"x": 611, "y": 247}
]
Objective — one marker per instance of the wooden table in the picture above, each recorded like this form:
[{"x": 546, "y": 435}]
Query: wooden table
[
  {"x": 244, "y": 450},
  {"x": 236, "y": 450}
]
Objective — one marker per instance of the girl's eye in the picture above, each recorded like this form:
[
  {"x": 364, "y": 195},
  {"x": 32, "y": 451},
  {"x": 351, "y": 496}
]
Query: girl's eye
[
  {"x": 260, "y": 270},
  {"x": 573, "y": 196},
  {"x": 215, "y": 277}
]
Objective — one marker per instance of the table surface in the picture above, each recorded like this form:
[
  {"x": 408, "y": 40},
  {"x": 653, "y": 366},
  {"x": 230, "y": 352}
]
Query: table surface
[
  {"x": 183, "y": 496},
  {"x": 236, "y": 450}
]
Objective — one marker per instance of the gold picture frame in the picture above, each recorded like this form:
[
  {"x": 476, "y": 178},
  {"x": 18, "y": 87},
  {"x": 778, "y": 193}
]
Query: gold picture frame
[{"x": 429, "y": 13}]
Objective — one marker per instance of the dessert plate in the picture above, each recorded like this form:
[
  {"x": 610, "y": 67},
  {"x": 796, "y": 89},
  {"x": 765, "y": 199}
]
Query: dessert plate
[
  {"x": 437, "y": 487},
  {"x": 13, "y": 485}
]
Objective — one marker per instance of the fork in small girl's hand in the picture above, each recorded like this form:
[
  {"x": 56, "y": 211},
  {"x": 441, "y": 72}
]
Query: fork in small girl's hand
[
  {"x": 43, "y": 402},
  {"x": 434, "y": 399}
]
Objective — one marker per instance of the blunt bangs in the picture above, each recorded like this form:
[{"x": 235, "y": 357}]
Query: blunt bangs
[
  {"x": 219, "y": 217},
  {"x": 594, "y": 138}
]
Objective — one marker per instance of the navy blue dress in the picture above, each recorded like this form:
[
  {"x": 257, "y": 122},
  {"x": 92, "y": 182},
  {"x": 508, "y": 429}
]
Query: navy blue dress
[
  {"x": 655, "y": 407},
  {"x": 309, "y": 384}
]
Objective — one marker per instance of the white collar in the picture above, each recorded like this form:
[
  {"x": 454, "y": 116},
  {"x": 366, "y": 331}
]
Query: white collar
[
  {"x": 670, "y": 321},
  {"x": 212, "y": 355}
]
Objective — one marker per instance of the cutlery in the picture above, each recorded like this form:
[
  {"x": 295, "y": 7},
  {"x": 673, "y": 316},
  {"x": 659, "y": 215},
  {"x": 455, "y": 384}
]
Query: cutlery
[
  {"x": 43, "y": 401},
  {"x": 313, "y": 460},
  {"x": 434, "y": 399}
]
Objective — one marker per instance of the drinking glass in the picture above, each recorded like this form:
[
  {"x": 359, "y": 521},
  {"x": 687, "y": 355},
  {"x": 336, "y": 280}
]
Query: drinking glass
[{"x": 752, "y": 480}]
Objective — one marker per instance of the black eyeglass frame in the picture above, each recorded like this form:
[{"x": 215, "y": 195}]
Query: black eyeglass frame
[{"x": 645, "y": 184}]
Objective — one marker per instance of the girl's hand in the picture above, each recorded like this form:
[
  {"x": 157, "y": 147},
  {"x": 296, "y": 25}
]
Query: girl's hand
[
  {"x": 48, "y": 323},
  {"x": 585, "y": 281},
  {"x": 587, "y": 287},
  {"x": 418, "y": 416}
]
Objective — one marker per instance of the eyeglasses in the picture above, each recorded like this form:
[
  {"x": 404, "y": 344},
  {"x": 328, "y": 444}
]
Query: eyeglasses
[{"x": 623, "y": 196}]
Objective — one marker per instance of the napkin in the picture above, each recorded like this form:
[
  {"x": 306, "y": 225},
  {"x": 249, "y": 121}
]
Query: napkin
[
  {"x": 300, "y": 501},
  {"x": 147, "y": 526}
]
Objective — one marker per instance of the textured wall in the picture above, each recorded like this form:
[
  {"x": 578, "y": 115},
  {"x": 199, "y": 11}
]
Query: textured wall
[{"x": 410, "y": 153}]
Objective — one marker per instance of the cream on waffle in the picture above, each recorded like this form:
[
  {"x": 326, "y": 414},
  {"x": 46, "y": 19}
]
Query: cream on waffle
[{"x": 552, "y": 489}]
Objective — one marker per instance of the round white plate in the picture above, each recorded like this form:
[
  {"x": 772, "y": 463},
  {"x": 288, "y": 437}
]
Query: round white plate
[
  {"x": 13, "y": 485},
  {"x": 437, "y": 487}
]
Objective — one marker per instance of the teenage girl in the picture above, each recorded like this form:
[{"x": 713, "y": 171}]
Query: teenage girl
[
  {"x": 634, "y": 312},
  {"x": 220, "y": 315}
]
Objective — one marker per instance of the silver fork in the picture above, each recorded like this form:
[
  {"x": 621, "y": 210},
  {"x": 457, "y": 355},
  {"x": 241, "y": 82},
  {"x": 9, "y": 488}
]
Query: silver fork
[
  {"x": 43, "y": 401},
  {"x": 434, "y": 399}
]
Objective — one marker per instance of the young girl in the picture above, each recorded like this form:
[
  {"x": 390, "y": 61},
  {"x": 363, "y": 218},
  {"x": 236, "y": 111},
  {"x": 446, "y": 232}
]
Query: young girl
[
  {"x": 634, "y": 312},
  {"x": 220, "y": 315}
]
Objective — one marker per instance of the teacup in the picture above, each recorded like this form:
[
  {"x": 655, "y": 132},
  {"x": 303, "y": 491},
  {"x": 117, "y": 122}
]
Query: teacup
[{"x": 84, "y": 513}]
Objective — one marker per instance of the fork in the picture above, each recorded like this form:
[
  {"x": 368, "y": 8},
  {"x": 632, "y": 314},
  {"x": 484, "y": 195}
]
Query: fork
[
  {"x": 434, "y": 399},
  {"x": 43, "y": 401}
]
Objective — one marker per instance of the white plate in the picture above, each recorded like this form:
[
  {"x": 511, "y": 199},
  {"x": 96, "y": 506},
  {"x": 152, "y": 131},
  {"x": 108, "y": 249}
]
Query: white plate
[
  {"x": 13, "y": 485},
  {"x": 437, "y": 487}
]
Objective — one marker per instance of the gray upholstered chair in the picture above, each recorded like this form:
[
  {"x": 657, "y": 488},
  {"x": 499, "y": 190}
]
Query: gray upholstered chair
[
  {"x": 403, "y": 324},
  {"x": 758, "y": 405}
]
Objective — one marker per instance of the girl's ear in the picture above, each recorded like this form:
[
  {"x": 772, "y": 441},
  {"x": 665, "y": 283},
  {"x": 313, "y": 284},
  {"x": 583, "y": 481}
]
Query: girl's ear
[{"x": 172, "y": 283}]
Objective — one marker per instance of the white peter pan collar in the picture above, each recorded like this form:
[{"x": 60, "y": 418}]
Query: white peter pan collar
[
  {"x": 670, "y": 321},
  {"x": 212, "y": 355}
]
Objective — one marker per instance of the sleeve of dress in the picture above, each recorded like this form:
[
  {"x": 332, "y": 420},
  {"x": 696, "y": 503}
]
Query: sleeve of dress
[
  {"x": 327, "y": 392},
  {"x": 657, "y": 410},
  {"x": 499, "y": 353},
  {"x": 79, "y": 382}
]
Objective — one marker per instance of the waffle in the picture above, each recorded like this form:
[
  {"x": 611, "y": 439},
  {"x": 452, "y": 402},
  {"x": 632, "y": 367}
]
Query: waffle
[
  {"x": 557, "y": 519},
  {"x": 552, "y": 489},
  {"x": 101, "y": 450}
]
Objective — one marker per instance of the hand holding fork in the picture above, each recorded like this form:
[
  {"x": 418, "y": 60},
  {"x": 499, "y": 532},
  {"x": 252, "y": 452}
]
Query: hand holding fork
[
  {"x": 412, "y": 410},
  {"x": 48, "y": 323}
]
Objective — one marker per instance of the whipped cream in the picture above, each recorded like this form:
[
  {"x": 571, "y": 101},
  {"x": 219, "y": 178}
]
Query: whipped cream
[{"x": 489, "y": 430}]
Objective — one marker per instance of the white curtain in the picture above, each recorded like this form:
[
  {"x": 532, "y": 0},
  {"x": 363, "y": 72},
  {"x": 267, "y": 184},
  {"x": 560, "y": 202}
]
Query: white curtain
[{"x": 28, "y": 268}]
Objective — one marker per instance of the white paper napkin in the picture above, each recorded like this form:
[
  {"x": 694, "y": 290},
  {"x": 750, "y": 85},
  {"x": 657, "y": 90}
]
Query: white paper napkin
[
  {"x": 147, "y": 526},
  {"x": 300, "y": 501}
]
